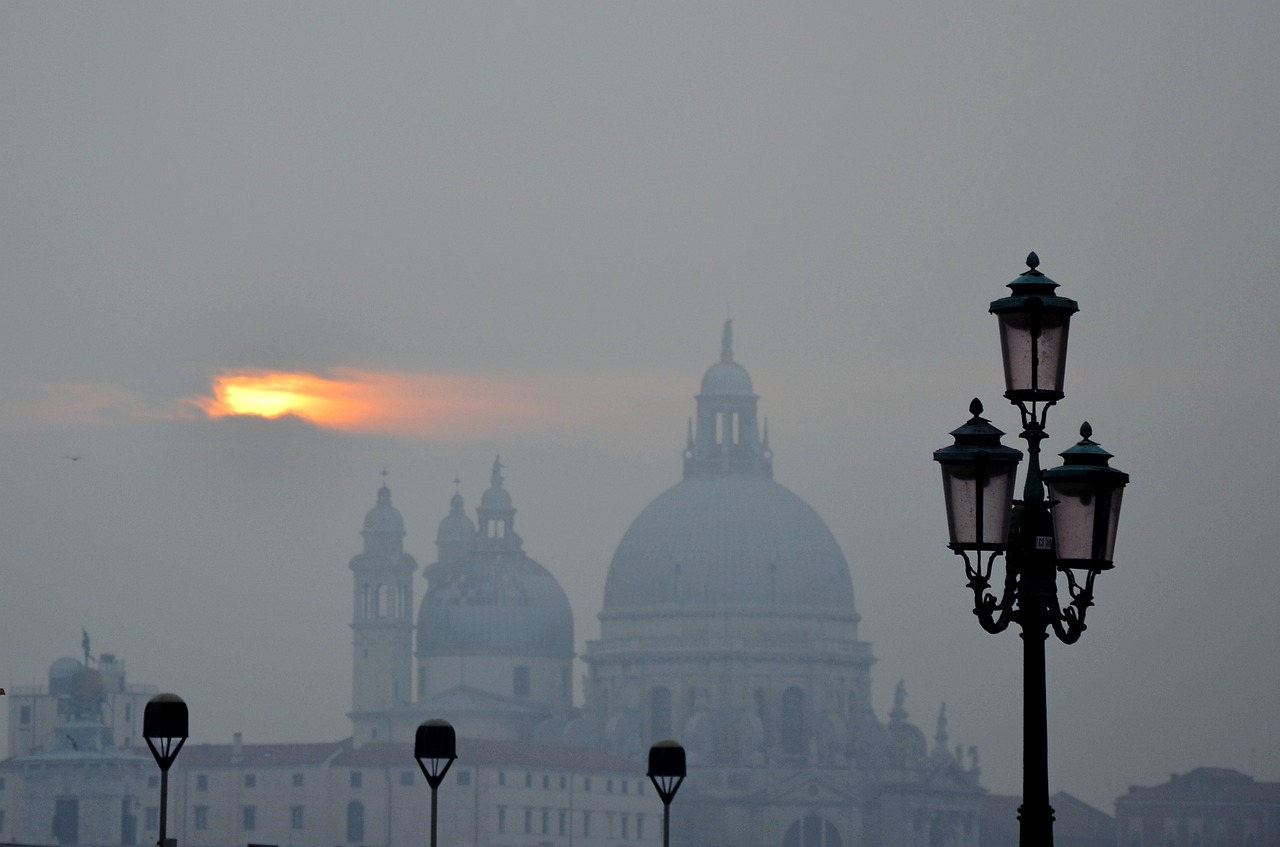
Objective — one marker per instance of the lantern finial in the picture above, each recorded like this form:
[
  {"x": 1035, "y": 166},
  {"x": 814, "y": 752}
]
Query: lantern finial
[
  {"x": 1033, "y": 262},
  {"x": 975, "y": 408},
  {"x": 1086, "y": 431}
]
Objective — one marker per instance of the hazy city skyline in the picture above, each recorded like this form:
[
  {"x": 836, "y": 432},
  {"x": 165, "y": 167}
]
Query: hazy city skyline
[{"x": 518, "y": 229}]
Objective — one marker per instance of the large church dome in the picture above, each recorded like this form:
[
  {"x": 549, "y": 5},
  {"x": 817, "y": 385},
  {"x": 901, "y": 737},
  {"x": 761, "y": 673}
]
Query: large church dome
[
  {"x": 735, "y": 541},
  {"x": 728, "y": 537}
]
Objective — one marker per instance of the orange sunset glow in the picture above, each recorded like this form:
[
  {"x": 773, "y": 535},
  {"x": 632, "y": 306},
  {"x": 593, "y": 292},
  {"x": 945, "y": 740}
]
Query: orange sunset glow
[{"x": 353, "y": 400}]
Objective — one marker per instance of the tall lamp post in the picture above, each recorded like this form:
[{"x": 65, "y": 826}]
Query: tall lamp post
[
  {"x": 666, "y": 772},
  {"x": 435, "y": 746},
  {"x": 164, "y": 727},
  {"x": 1071, "y": 532}
]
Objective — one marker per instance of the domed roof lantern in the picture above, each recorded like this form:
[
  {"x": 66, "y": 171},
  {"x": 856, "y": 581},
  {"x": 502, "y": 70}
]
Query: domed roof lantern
[
  {"x": 497, "y": 515},
  {"x": 727, "y": 377},
  {"x": 456, "y": 533},
  {"x": 726, "y": 438},
  {"x": 383, "y": 530}
]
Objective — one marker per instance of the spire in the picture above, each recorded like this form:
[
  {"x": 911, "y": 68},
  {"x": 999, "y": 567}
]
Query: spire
[
  {"x": 940, "y": 737},
  {"x": 899, "y": 712},
  {"x": 495, "y": 479},
  {"x": 726, "y": 342}
]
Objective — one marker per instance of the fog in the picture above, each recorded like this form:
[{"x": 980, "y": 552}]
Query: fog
[{"x": 564, "y": 202}]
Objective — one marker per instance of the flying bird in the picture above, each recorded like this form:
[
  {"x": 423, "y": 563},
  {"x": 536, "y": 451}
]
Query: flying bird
[{"x": 73, "y": 458}]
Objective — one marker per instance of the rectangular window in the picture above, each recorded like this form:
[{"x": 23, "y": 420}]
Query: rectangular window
[
  {"x": 528, "y": 780},
  {"x": 250, "y": 780},
  {"x": 298, "y": 780},
  {"x": 464, "y": 777},
  {"x": 1, "y": 783},
  {"x": 249, "y": 817},
  {"x": 625, "y": 786},
  {"x": 202, "y": 782},
  {"x": 24, "y": 715},
  {"x": 520, "y": 681},
  {"x": 406, "y": 777},
  {"x": 564, "y": 820},
  {"x": 639, "y": 827},
  {"x": 528, "y": 821},
  {"x": 295, "y": 817},
  {"x": 546, "y": 821},
  {"x": 357, "y": 779},
  {"x": 1, "y": 820},
  {"x": 502, "y": 819},
  {"x": 153, "y": 818},
  {"x": 502, "y": 777},
  {"x": 563, "y": 782},
  {"x": 546, "y": 781},
  {"x": 201, "y": 817},
  {"x": 586, "y": 784},
  {"x": 625, "y": 828},
  {"x": 586, "y": 824},
  {"x": 608, "y": 786}
]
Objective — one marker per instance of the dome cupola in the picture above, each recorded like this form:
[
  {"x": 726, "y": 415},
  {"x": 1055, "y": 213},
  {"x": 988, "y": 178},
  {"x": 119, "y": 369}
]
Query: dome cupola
[
  {"x": 383, "y": 530},
  {"x": 728, "y": 537}
]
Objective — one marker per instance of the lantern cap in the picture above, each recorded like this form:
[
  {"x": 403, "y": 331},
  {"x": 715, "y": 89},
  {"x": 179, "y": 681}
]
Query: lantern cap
[
  {"x": 1087, "y": 460},
  {"x": 435, "y": 739},
  {"x": 165, "y": 716},
  {"x": 976, "y": 437},
  {"x": 1033, "y": 285}
]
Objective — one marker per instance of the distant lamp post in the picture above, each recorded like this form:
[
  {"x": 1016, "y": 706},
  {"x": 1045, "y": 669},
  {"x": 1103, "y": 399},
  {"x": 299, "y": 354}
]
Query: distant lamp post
[
  {"x": 1072, "y": 532},
  {"x": 666, "y": 772},
  {"x": 164, "y": 726},
  {"x": 435, "y": 747}
]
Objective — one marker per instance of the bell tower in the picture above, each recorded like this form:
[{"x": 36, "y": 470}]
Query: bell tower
[{"x": 382, "y": 623}]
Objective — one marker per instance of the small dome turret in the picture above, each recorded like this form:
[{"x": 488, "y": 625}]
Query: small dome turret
[
  {"x": 726, "y": 377},
  {"x": 456, "y": 533}
]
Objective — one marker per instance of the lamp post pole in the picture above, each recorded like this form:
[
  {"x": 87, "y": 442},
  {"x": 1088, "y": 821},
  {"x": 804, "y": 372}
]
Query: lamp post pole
[
  {"x": 435, "y": 746},
  {"x": 165, "y": 729},
  {"x": 1069, "y": 530}
]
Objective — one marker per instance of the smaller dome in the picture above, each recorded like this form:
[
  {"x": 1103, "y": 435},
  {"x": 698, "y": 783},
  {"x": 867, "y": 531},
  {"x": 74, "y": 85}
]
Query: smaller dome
[
  {"x": 456, "y": 526},
  {"x": 496, "y": 498},
  {"x": 384, "y": 517},
  {"x": 61, "y": 672},
  {"x": 86, "y": 685},
  {"x": 727, "y": 378}
]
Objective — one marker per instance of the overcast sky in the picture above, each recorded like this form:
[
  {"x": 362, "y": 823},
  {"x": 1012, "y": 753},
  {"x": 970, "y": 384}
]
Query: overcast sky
[{"x": 518, "y": 228}]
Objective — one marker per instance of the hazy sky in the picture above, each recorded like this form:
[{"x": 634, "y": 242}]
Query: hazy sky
[{"x": 518, "y": 228}]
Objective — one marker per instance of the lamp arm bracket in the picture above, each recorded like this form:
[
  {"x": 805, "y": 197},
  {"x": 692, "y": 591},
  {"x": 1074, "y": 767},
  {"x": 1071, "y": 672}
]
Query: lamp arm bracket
[
  {"x": 1068, "y": 624},
  {"x": 992, "y": 614}
]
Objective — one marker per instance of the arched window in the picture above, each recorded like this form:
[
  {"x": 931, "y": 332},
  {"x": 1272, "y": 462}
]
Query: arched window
[
  {"x": 813, "y": 831},
  {"x": 355, "y": 821},
  {"x": 791, "y": 729},
  {"x": 659, "y": 713}
]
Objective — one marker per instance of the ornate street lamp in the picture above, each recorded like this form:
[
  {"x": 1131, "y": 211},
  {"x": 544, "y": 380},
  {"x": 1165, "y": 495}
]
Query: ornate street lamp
[
  {"x": 435, "y": 746},
  {"x": 164, "y": 727},
  {"x": 1072, "y": 532},
  {"x": 666, "y": 772}
]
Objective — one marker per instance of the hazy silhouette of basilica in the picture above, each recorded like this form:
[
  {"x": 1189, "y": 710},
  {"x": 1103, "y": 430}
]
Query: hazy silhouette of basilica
[{"x": 728, "y": 623}]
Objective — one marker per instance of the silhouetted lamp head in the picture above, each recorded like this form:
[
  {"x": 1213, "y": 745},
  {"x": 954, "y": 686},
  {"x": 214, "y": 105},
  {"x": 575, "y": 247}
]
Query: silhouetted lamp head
[
  {"x": 164, "y": 726},
  {"x": 977, "y": 478},
  {"x": 1033, "y": 336},
  {"x": 666, "y": 768},
  {"x": 435, "y": 746},
  {"x": 1085, "y": 493}
]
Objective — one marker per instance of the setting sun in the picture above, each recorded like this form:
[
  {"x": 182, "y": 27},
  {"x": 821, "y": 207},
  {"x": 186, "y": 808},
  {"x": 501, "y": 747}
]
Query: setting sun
[{"x": 415, "y": 404}]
